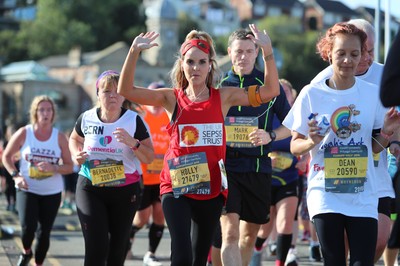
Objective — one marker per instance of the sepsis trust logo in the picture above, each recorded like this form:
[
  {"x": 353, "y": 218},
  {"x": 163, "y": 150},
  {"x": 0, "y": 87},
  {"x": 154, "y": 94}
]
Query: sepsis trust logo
[{"x": 189, "y": 135}]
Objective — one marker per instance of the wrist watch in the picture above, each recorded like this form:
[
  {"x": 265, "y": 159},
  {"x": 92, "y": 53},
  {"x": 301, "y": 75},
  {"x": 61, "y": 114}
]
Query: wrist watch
[
  {"x": 137, "y": 145},
  {"x": 15, "y": 173},
  {"x": 272, "y": 135}
]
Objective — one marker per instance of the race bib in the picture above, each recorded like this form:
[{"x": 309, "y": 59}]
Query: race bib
[
  {"x": 34, "y": 173},
  {"x": 345, "y": 168},
  {"x": 238, "y": 129},
  {"x": 281, "y": 160},
  {"x": 107, "y": 172},
  {"x": 376, "y": 157},
  {"x": 156, "y": 165},
  {"x": 34, "y": 160},
  {"x": 190, "y": 174}
]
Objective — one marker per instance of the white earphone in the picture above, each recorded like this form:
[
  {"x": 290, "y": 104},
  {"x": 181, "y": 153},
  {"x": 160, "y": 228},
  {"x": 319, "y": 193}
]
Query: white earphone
[{"x": 209, "y": 70}]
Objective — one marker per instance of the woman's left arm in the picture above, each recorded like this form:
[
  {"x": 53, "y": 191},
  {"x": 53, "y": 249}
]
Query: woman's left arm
[
  {"x": 67, "y": 165},
  {"x": 390, "y": 126},
  {"x": 145, "y": 152}
]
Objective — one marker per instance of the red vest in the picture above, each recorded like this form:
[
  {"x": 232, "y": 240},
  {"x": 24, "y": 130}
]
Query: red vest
[{"x": 197, "y": 114}]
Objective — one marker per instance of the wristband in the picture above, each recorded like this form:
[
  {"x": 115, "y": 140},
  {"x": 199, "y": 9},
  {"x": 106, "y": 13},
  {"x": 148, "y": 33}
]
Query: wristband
[
  {"x": 136, "y": 146},
  {"x": 385, "y": 136}
]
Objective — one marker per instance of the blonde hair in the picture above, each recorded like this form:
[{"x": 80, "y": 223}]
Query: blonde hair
[
  {"x": 106, "y": 79},
  {"x": 177, "y": 76},
  {"x": 35, "y": 105}
]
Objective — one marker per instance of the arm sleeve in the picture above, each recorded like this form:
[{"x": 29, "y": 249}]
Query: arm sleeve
[
  {"x": 390, "y": 83},
  {"x": 78, "y": 128},
  {"x": 142, "y": 131}
]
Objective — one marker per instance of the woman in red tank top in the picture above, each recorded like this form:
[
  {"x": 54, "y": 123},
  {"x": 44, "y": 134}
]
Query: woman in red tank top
[{"x": 193, "y": 180}]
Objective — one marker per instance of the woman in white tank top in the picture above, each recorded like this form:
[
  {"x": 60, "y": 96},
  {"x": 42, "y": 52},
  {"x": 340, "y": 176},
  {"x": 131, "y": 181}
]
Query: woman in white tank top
[{"x": 45, "y": 157}]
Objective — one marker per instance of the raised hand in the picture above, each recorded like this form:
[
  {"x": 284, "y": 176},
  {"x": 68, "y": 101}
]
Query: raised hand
[
  {"x": 260, "y": 38},
  {"x": 145, "y": 40}
]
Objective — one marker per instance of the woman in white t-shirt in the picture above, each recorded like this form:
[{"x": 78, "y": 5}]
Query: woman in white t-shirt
[{"x": 339, "y": 124}]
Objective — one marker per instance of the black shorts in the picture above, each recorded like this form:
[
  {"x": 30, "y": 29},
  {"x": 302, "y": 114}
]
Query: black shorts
[
  {"x": 150, "y": 194},
  {"x": 249, "y": 195},
  {"x": 279, "y": 193},
  {"x": 384, "y": 206}
]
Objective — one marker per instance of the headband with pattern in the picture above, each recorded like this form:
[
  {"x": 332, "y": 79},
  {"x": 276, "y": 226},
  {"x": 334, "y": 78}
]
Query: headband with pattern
[{"x": 201, "y": 44}]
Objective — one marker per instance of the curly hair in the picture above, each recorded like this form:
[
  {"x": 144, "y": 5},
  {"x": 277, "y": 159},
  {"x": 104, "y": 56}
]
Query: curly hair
[{"x": 325, "y": 44}]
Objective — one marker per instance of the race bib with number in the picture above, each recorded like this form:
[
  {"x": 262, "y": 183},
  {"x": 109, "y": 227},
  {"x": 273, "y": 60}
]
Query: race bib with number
[
  {"x": 33, "y": 170},
  {"x": 190, "y": 174},
  {"x": 238, "y": 129},
  {"x": 107, "y": 172},
  {"x": 345, "y": 168}
]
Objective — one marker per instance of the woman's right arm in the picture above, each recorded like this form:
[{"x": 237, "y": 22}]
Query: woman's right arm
[
  {"x": 13, "y": 146},
  {"x": 76, "y": 148},
  {"x": 300, "y": 144}
]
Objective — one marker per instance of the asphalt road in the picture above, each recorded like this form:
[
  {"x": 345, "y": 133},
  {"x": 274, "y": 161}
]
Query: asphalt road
[{"x": 67, "y": 246}]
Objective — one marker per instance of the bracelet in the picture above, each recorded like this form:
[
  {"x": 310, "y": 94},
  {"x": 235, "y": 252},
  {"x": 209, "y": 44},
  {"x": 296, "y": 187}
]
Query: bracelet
[
  {"x": 385, "y": 136},
  {"x": 269, "y": 57},
  {"x": 394, "y": 142}
]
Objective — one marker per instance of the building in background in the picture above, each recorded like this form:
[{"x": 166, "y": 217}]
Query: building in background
[{"x": 22, "y": 81}]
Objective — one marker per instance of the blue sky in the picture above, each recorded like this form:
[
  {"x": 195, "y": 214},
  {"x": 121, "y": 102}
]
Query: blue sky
[{"x": 394, "y": 5}]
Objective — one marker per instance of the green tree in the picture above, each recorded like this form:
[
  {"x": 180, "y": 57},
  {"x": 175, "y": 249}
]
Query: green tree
[
  {"x": 117, "y": 20},
  {"x": 52, "y": 32},
  {"x": 300, "y": 59},
  {"x": 61, "y": 25},
  {"x": 12, "y": 46}
]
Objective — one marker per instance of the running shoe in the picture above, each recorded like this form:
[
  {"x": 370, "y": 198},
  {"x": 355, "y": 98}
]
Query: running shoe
[
  {"x": 24, "y": 259},
  {"x": 315, "y": 253},
  {"x": 272, "y": 248},
  {"x": 291, "y": 258},
  {"x": 256, "y": 258},
  {"x": 150, "y": 260}
]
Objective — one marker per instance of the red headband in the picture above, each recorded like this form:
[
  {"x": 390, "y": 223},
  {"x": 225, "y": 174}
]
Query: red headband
[{"x": 201, "y": 44}]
